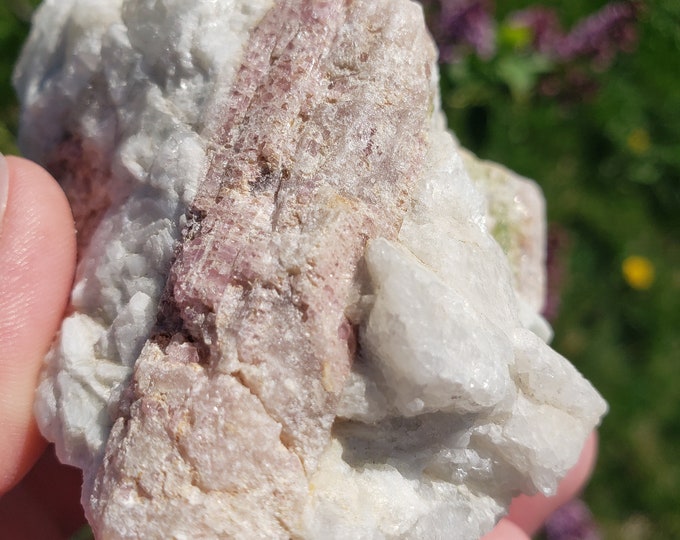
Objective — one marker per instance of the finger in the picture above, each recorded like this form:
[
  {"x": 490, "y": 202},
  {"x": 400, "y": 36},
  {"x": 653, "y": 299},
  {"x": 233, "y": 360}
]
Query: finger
[
  {"x": 37, "y": 261},
  {"x": 529, "y": 513}
]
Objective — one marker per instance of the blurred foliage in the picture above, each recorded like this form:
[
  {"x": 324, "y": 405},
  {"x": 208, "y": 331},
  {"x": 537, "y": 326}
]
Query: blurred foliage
[
  {"x": 609, "y": 164},
  {"x": 14, "y": 23},
  {"x": 606, "y": 155}
]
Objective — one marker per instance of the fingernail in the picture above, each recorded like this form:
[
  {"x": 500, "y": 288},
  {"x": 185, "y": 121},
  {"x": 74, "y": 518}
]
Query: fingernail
[{"x": 4, "y": 188}]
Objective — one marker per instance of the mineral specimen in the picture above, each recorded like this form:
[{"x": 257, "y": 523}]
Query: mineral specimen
[{"x": 290, "y": 318}]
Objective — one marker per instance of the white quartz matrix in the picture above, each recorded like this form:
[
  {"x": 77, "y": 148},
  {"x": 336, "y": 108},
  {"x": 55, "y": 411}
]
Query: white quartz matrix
[{"x": 437, "y": 398}]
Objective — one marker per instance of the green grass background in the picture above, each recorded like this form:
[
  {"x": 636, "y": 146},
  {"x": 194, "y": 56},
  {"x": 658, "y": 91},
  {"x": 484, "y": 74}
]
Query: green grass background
[{"x": 609, "y": 199}]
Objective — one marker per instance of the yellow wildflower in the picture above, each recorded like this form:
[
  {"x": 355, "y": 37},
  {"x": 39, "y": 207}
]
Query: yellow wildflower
[
  {"x": 638, "y": 141},
  {"x": 638, "y": 272}
]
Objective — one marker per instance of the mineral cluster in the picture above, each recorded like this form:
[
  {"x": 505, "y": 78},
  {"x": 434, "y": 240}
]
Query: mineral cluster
[{"x": 300, "y": 310}]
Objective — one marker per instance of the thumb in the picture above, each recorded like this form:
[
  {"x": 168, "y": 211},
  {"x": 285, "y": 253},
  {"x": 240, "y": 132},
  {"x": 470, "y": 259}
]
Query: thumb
[{"x": 37, "y": 262}]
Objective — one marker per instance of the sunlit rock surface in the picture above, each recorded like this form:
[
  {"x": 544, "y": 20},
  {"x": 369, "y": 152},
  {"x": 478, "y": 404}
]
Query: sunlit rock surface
[{"x": 298, "y": 311}]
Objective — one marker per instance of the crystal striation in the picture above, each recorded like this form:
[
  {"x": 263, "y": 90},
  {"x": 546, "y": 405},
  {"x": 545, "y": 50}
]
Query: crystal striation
[{"x": 300, "y": 310}]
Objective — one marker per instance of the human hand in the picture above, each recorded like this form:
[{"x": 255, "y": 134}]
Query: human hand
[{"x": 37, "y": 262}]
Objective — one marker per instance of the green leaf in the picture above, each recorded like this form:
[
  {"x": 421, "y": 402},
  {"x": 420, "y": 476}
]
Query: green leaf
[{"x": 521, "y": 72}]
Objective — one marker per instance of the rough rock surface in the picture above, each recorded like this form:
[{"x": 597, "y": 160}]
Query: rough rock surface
[{"x": 290, "y": 317}]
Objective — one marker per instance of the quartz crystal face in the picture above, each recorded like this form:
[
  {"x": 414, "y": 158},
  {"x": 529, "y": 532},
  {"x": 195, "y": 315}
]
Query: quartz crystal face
[{"x": 300, "y": 309}]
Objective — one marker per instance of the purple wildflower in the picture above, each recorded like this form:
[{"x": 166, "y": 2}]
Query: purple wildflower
[
  {"x": 459, "y": 25},
  {"x": 467, "y": 26},
  {"x": 597, "y": 37},
  {"x": 572, "y": 521},
  {"x": 601, "y": 35},
  {"x": 590, "y": 46},
  {"x": 544, "y": 25}
]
